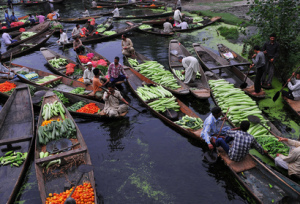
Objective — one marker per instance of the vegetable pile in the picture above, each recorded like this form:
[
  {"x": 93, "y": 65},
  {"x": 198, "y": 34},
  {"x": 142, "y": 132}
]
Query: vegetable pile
[
  {"x": 156, "y": 72},
  {"x": 31, "y": 76},
  {"x": 241, "y": 106},
  {"x": 147, "y": 93},
  {"x": 46, "y": 79},
  {"x": 61, "y": 97},
  {"x": 82, "y": 194},
  {"x": 145, "y": 26},
  {"x": 109, "y": 33},
  {"x": 81, "y": 79},
  {"x": 179, "y": 74},
  {"x": 190, "y": 122},
  {"x": 197, "y": 19},
  {"x": 90, "y": 108},
  {"x": 133, "y": 62},
  {"x": 76, "y": 106},
  {"x": 25, "y": 35},
  {"x": 13, "y": 158},
  {"x": 53, "y": 27},
  {"x": 162, "y": 104},
  {"x": 53, "y": 109},
  {"x": 57, "y": 63},
  {"x": 78, "y": 90},
  {"x": 100, "y": 30},
  {"x": 70, "y": 68},
  {"x": 7, "y": 86}
]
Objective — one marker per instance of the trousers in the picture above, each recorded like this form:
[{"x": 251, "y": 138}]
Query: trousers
[
  {"x": 288, "y": 94},
  {"x": 224, "y": 143},
  {"x": 116, "y": 112},
  {"x": 269, "y": 70},
  {"x": 257, "y": 82}
]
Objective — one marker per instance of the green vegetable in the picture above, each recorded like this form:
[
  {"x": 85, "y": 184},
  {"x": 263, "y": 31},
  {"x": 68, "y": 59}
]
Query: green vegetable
[
  {"x": 103, "y": 69},
  {"x": 61, "y": 97},
  {"x": 100, "y": 30},
  {"x": 46, "y": 79},
  {"x": 58, "y": 63},
  {"x": 145, "y": 26},
  {"x": 162, "y": 104},
  {"x": 26, "y": 34},
  {"x": 78, "y": 90},
  {"x": 147, "y": 93},
  {"x": 270, "y": 186},
  {"x": 179, "y": 74},
  {"x": 13, "y": 158},
  {"x": 53, "y": 27},
  {"x": 190, "y": 122},
  {"x": 109, "y": 33},
  {"x": 77, "y": 72},
  {"x": 76, "y": 106},
  {"x": 52, "y": 109},
  {"x": 31, "y": 75},
  {"x": 133, "y": 62},
  {"x": 197, "y": 19}
]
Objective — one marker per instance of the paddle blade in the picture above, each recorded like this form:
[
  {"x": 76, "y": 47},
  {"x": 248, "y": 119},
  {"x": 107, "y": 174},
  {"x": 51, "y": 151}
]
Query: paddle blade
[
  {"x": 276, "y": 96},
  {"x": 243, "y": 85}
]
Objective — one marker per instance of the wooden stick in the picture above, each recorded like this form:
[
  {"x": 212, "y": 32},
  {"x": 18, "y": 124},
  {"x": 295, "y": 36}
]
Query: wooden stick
[
  {"x": 223, "y": 122},
  {"x": 231, "y": 65}
]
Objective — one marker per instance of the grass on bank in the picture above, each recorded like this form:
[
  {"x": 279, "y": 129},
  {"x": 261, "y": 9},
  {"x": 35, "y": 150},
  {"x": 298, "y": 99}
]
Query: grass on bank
[{"x": 229, "y": 33}]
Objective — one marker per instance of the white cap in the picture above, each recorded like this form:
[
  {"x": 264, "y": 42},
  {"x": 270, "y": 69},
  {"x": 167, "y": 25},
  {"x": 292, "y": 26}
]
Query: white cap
[{"x": 88, "y": 63}]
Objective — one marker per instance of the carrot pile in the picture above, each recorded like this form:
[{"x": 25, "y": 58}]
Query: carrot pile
[
  {"x": 7, "y": 86},
  {"x": 80, "y": 79},
  {"x": 90, "y": 108},
  {"x": 83, "y": 194},
  {"x": 47, "y": 122}
]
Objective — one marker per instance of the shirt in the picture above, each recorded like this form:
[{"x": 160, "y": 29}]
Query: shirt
[
  {"x": 76, "y": 31},
  {"x": 116, "y": 12},
  {"x": 41, "y": 18},
  {"x": 94, "y": 4},
  {"x": 127, "y": 43},
  {"x": 7, "y": 39},
  {"x": 209, "y": 128},
  {"x": 111, "y": 103},
  {"x": 77, "y": 44},
  {"x": 6, "y": 16},
  {"x": 183, "y": 25},
  {"x": 87, "y": 74},
  {"x": 63, "y": 38},
  {"x": 90, "y": 29},
  {"x": 114, "y": 71},
  {"x": 86, "y": 13},
  {"x": 272, "y": 49},
  {"x": 294, "y": 86},
  {"x": 168, "y": 28},
  {"x": 177, "y": 15},
  {"x": 241, "y": 145},
  {"x": 191, "y": 63},
  {"x": 50, "y": 16},
  {"x": 259, "y": 60},
  {"x": 293, "y": 159},
  {"x": 96, "y": 85},
  {"x": 13, "y": 18}
]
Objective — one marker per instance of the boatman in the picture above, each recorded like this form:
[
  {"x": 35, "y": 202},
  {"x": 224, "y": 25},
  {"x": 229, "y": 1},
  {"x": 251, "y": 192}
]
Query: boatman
[
  {"x": 97, "y": 91},
  {"x": 242, "y": 142},
  {"x": 94, "y": 3},
  {"x": 292, "y": 161},
  {"x": 7, "y": 20},
  {"x": 183, "y": 25},
  {"x": 13, "y": 18},
  {"x": 63, "y": 38},
  {"x": 90, "y": 29},
  {"x": 7, "y": 39},
  {"x": 177, "y": 17},
  {"x": 116, "y": 12},
  {"x": 191, "y": 67},
  {"x": 51, "y": 15},
  {"x": 168, "y": 28},
  {"x": 78, "y": 46},
  {"x": 271, "y": 51},
  {"x": 40, "y": 17},
  {"x": 116, "y": 71},
  {"x": 210, "y": 132},
  {"x": 112, "y": 107},
  {"x": 127, "y": 46},
  {"x": 259, "y": 62},
  {"x": 294, "y": 88},
  {"x": 85, "y": 13},
  {"x": 4, "y": 72},
  {"x": 77, "y": 32},
  {"x": 88, "y": 74}
]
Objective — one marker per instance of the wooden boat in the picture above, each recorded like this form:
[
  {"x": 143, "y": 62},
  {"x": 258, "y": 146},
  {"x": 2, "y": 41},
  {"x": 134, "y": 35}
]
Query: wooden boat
[
  {"x": 205, "y": 23},
  {"x": 113, "y": 5},
  {"x": 29, "y": 45},
  {"x": 14, "y": 3},
  {"x": 183, "y": 90},
  {"x": 201, "y": 90},
  {"x": 149, "y": 6},
  {"x": 96, "y": 54},
  {"x": 14, "y": 33},
  {"x": 50, "y": 54},
  {"x": 32, "y": 3},
  {"x": 65, "y": 86},
  {"x": 102, "y": 38},
  {"x": 52, "y": 181},
  {"x": 38, "y": 29},
  {"x": 294, "y": 105},
  {"x": 154, "y": 31},
  {"x": 17, "y": 133},
  {"x": 56, "y": 2},
  {"x": 160, "y": 21},
  {"x": 212, "y": 61},
  {"x": 78, "y": 20},
  {"x": 236, "y": 57},
  {"x": 107, "y": 24},
  {"x": 16, "y": 27},
  {"x": 156, "y": 15}
]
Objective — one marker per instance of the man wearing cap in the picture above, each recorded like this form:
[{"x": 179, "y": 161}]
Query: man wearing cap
[
  {"x": 4, "y": 72},
  {"x": 191, "y": 66},
  {"x": 88, "y": 74}
]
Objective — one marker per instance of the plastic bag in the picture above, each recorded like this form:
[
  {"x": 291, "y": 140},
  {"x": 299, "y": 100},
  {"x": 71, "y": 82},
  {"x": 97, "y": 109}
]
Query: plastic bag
[{"x": 70, "y": 68}]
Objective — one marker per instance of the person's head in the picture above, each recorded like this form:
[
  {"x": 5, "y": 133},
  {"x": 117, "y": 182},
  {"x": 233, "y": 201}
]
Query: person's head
[
  {"x": 180, "y": 59},
  {"x": 85, "y": 8},
  {"x": 52, "y": 11},
  {"x": 89, "y": 65},
  {"x": 77, "y": 26},
  {"x": 88, "y": 23},
  {"x": 256, "y": 48},
  {"x": 115, "y": 6},
  {"x": 298, "y": 75},
  {"x": 61, "y": 30},
  {"x": 272, "y": 37},
  {"x": 167, "y": 20},
  {"x": 245, "y": 125},
  {"x": 217, "y": 112},
  {"x": 96, "y": 72},
  {"x": 124, "y": 36},
  {"x": 111, "y": 87},
  {"x": 117, "y": 59},
  {"x": 77, "y": 38},
  {"x": 6, "y": 11},
  {"x": 13, "y": 13}
]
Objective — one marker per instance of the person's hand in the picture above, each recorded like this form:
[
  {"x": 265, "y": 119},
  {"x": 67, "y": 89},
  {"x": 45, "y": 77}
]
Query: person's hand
[
  {"x": 265, "y": 152},
  {"x": 183, "y": 72},
  {"x": 126, "y": 103},
  {"x": 253, "y": 56},
  {"x": 224, "y": 118},
  {"x": 91, "y": 80},
  {"x": 289, "y": 80},
  {"x": 293, "y": 74},
  {"x": 265, "y": 52},
  {"x": 252, "y": 65},
  {"x": 125, "y": 47},
  {"x": 210, "y": 147},
  {"x": 282, "y": 139},
  {"x": 271, "y": 60}
]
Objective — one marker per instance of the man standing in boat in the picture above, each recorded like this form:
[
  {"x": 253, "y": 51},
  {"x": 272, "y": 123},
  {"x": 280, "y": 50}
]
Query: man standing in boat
[
  {"x": 116, "y": 12},
  {"x": 127, "y": 46},
  {"x": 4, "y": 72},
  {"x": 116, "y": 71},
  {"x": 177, "y": 17},
  {"x": 94, "y": 3},
  {"x": 259, "y": 62},
  {"x": 210, "y": 132},
  {"x": 191, "y": 67},
  {"x": 271, "y": 51}
]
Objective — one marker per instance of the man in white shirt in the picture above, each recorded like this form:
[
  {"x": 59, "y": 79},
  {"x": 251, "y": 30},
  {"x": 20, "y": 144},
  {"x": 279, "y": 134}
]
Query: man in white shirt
[
  {"x": 183, "y": 25},
  {"x": 77, "y": 31},
  {"x": 7, "y": 39},
  {"x": 168, "y": 28},
  {"x": 63, "y": 38},
  {"x": 177, "y": 17},
  {"x": 116, "y": 12},
  {"x": 191, "y": 66},
  {"x": 94, "y": 3},
  {"x": 88, "y": 74},
  {"x": 85, "y": 13}
]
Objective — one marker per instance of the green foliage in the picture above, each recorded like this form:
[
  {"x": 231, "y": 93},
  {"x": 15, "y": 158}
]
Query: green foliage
[
  {"x": 229, "y": 33},
  {"x": 280, "y": 17}
]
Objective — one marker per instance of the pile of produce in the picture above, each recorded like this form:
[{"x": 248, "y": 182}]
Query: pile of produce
[
  {"x": 156, "y": 72},
  {"x": 15, "y": 24},
  {"x": 25, "y": 35},
  {"x": 57, "y": 63},
  {"x": 197, "y": 25},
  {"x": 145, "y": 26},
  {"x": 100, "y": 30},
  {"x": 31, "y": 76},
  {"x": 190, "y": 122},
  {"x": 90, "y": 58},
  {"x": 76, "y": 106},
  {"x": 57, "y": 26},
  {"x": 162, "y": 104},
  {"x": 70, "y": 68},
  {"x": 47, "y": 122},
  {"x": 46, "y": 79},
  {"x": 80, "y": 79},
  {"x": 23, "y": 21},
  {"x": 78, "y": 72},
  {"x": 133, "y": 62},
  {"x": 7, "y": 86},
  {"x": 179, "y": 74},
  {"x": 109, "y": 33},
  {"x": 57, "y": 130},
  {"x": 13, "y": 158},
  {"x": 147, "y": 93},
  {"x": 82, "y": 194},
  {"x": 53, "y": 109},
  {"x": 103, "y": 69},
  {"x": 197, "y": 19},
  {"x": 241, "y": 106},
  {"x": 44, "y": 155},
  {"x": 62, "y": 97},
  {"x": 78, "y": 90},
  {"x": 90, "y": 108}
]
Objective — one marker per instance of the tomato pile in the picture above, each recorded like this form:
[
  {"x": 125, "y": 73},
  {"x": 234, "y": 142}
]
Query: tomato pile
[
  {"x": 7, "y": 86},
  {"x": 89, "y": 108},
  {"x": 80, "y": 79},
  {"x": 83, "y": 194}
]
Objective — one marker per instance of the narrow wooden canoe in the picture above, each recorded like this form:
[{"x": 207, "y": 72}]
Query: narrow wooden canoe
[
  {"x": 153, "y": 31},
  {"x": 32, "y": 3},
  {"x": 78, "y": 20},
  {"x": 294, "y": 105},
  {"x": 107, "y": 24},
  {"x": 149, "y": 6},
  {"x": 183, "y": 90},
  {"x": 113, "y": 5},
  {"x": 102, "y": 38},
  {"x": 38, "y": 29},
  {"x": 205, "y": 23},
  {"x": 211, "y": 60},
  {"x": 17, "y": 129},
  {"x": 202, "y": 90},
  {"x": 223, "y": 50},
  {"x": 31, "y": 45},
  {"x": 112, "y": 2},
  {"x": 49, "y": 182},
  {"x": 16, "y": 27},
  {"x": 56, "y": 2},
  {"x": 145, "y": 16},
  {"x": 160, "y": 21},
  {"x": 96, "y": 54},
  {"x": 50, "y": 54},
  {"x": 66, "y": 85}
]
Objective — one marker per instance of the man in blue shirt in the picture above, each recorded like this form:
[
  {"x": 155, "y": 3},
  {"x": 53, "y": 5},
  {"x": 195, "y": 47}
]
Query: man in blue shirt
[
  {"x": 13, "y": 18},
  {"x": 7, "y": 20},
  {"x": 210, "y": 131}
]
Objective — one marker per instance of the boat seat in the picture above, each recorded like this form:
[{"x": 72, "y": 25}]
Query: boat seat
[{"x": 11, "y": 141}]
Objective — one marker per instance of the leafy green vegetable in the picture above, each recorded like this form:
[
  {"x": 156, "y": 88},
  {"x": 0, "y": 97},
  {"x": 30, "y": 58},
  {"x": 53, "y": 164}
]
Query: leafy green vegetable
[
  {"x": 58, "y": 63},
  {"x": 147, "y": 93},
  {"x": 145, "y": 26},
  {"x": 76, "y": 106},
  {"x": 78, "y": 72},
  {"x": 25, "y": 35},
  {"x": 190, "y": 122},
  {"x": 109, "y": 33},
  {"x": 162, "y": 104},
  {"x": 62, "y": 97},
  {"x": 103, "y": 69},
  {"x": 78, "y": 90}
]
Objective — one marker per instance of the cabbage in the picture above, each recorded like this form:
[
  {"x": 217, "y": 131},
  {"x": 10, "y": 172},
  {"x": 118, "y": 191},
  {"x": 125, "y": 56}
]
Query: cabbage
[{"x": 25, "y": 35}]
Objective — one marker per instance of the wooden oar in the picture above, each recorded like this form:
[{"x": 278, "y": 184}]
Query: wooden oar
[
  {"x": 278, "y": 92},
  {"x": 255, "y": 119},
  {"x": 223, "y": 122},
  {"x": 244, "y": 84},
  {"x": 230, "y": 65}
]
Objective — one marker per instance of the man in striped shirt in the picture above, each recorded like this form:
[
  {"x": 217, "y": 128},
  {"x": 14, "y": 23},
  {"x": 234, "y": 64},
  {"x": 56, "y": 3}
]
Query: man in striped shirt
[{"x": 116, "y": 71}]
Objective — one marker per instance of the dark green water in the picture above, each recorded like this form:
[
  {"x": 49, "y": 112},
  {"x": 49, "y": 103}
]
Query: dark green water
[{"x": 139, "y": 159}]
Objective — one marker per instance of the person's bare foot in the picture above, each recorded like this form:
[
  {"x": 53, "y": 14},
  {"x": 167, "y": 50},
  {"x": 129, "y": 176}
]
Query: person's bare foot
[{"x": 255, "y": 94}]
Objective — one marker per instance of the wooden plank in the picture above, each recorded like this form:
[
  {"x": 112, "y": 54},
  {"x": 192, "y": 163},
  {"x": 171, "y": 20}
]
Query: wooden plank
[
  {"x": 15, "y": 140},
  {"x": 231, "y": 65},
  {"x": 295, "y": 105}
]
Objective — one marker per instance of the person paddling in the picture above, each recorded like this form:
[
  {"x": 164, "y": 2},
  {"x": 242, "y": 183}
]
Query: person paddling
[
  {"x": 294, "y": 88},
  {"x": 259, "y": 62}
]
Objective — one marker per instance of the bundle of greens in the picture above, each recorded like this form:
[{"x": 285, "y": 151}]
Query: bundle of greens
[
  {"x": 197, "y": 19},
  {"x": 100, "y": 30},
  {"x": 179, "y": 74},
  {"x": 57, "y": 63},
  {"x": 147, "y": 93},
  {"x": 162, "y": 104},
  {"x": 109, "y": 33},
  {"x": 103, "y": 69},
  {"x": 76, "y": 106},
  {"x": 26, "y": 34},
  {"x": 62, "y": 97},
  {"x": 145, "y": 26},
  {"x": 53, "y": 109},
  {"x": 57, "y": 26},
  {"x": 13, "y": 158},
  {"x": 46, "y": 79},
  {"x": 133, "y": 62},
  {"x": 78, "y": 72},
  {"x": 78, "y": 90},
  {"x": 190, "y": 122}
]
